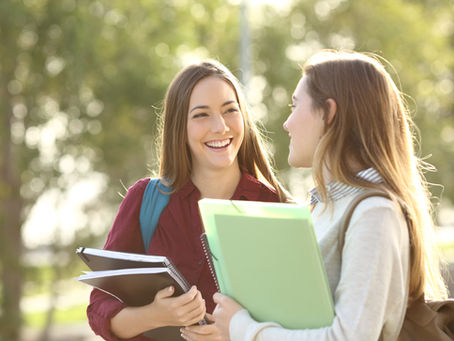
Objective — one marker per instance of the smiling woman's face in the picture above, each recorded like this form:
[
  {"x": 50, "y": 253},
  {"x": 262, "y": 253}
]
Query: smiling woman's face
[{"x": 215, "y": 125}]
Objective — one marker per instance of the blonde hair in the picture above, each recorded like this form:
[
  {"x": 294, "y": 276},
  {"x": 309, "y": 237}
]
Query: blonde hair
[
  {"x": 372, "y": 128},
  {"x": 175, "y": 161}
]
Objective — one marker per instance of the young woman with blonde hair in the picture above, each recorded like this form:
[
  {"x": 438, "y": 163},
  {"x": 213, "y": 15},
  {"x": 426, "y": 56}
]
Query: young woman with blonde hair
[
  {"x": 210, "y": 148},
  {"x": 349, "y": 123}
]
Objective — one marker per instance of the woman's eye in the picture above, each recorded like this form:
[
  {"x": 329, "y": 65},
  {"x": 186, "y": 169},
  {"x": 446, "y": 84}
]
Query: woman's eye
[
  {"x": 201, "y": 114},
  {"x": 231, "y": 110}
]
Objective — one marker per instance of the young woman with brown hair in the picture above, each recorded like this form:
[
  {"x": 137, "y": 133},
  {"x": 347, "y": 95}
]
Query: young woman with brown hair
[
  {"x": 210, "y": 149},
  {"x": 350, "y": 125}
]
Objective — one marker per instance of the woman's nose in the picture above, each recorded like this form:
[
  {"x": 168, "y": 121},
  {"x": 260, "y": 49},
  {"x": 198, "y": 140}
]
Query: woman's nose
[
  {"x": 219, "y": 125},
  {"x": 285, "y": 125}
]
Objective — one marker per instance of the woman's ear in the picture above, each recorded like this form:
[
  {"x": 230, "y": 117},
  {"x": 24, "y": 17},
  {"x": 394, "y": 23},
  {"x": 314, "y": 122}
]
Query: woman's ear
[{"x": 332, "y": 110}]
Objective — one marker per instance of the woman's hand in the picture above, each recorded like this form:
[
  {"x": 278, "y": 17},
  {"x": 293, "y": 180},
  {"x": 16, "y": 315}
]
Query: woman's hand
[
  {"x": 184, "y": 310},
  {"x": 208, "y": 332},
  {"x": 165, "y": 310},
  {"x": 226, "y": 307}
]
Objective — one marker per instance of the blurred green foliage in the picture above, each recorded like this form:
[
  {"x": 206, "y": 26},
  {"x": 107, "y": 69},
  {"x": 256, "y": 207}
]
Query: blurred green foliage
[
  {"x": 62, "y": 316},
  {"x": 82, "y": 83}
]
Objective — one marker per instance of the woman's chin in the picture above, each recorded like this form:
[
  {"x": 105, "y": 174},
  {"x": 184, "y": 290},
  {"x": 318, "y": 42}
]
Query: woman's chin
[
  {"x": 223, "y": 164},
  {"x": 298, "y": 163},
  {"x": 293, "y": 162}
]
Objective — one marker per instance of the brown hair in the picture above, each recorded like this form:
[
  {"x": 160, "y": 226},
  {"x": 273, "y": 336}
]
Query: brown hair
[
  {"x": 175, "y": 163},
  {"x": 372, "y": 128}
]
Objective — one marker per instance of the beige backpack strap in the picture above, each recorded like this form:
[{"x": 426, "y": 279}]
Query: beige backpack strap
[{"x": 345, "y": 220}]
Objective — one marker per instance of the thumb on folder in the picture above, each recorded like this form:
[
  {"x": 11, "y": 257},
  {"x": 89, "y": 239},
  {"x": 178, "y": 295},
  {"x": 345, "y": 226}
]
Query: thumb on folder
[{"x": 226, "y": 307}]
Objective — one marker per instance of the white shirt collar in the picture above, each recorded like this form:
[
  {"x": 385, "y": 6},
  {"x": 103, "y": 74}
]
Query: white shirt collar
[{"x": 337, "y": 190}]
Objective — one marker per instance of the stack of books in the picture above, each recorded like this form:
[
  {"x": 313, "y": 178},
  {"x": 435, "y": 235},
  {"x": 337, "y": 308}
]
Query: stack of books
[{"x": 134, "y": 279}]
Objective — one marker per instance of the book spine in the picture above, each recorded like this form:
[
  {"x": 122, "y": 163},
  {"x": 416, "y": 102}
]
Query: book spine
[
  {"x": 179, "y": 277},
  {"x": 209, "y": 258}
]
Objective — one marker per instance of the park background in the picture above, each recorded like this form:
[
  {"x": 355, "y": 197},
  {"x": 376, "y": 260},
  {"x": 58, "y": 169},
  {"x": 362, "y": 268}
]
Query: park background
[{"x": 81, "y": 88}]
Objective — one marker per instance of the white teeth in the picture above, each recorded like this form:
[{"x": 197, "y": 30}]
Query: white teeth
[{"x": 218, "y": 143}]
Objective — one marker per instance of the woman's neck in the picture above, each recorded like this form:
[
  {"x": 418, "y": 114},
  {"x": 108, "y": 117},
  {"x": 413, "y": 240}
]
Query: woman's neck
[
  {"x": 217, "y": 184},
  {"x": 328, "y": 176}
]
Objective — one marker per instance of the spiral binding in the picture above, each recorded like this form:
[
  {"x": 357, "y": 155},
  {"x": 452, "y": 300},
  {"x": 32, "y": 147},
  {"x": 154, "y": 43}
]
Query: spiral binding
[
  {"x": 179, "y": 277},
  {"x": 208, "y": 256},
  {"x": 183, "y": 283}
]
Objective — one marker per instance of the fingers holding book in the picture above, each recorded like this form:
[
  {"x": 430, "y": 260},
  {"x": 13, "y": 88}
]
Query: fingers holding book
[{"x": 184, "y": 310}]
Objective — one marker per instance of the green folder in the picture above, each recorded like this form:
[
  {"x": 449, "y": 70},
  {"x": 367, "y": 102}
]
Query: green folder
[{"x": 266, "y": 257}]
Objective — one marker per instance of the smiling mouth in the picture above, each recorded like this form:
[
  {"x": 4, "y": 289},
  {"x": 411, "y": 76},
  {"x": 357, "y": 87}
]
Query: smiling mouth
[{"x": 219, "y": 144}]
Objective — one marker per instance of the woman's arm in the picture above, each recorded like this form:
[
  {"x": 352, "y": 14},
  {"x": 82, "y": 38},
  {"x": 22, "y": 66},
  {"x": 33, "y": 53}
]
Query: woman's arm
[
  {"x": 123, "y": 236},
  {"x": 112, "y": 319}
]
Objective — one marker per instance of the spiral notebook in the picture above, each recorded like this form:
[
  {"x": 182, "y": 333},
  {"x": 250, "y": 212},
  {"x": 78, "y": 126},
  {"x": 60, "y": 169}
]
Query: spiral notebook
[{"x": 266, "y": 256}]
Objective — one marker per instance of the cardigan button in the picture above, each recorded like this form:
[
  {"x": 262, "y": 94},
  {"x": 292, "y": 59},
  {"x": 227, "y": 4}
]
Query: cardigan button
[{"x": 200, "y": 262}]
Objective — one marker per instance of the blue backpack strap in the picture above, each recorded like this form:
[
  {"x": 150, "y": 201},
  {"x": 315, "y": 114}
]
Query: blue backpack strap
[{"x": 153, "y": 203}]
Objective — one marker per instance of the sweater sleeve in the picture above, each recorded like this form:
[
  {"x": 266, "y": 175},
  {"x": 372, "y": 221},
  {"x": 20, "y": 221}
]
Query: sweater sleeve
[
  {"x": 372, "y": 289},
  {"x": 124, "y": 236}
]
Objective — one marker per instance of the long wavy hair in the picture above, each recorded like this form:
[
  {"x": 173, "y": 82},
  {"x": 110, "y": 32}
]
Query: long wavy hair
[
  {"x": 175, "y": 161},
  {"x": 372, "y": 128}
]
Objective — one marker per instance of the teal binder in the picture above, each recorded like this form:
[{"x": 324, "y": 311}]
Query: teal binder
[{"x": 266, "y": 256}]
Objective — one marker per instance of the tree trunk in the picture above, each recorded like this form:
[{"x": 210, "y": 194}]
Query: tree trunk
[{"x": 11, "y": 205}]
